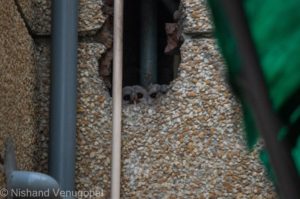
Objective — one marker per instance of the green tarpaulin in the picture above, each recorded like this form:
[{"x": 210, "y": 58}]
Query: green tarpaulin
[{"x": 275, "y": 30}]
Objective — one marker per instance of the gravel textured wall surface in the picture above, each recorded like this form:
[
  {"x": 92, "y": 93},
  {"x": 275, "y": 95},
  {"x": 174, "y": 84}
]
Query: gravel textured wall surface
[
  {"x": 188, "y": 144},
  {"x": 17, "y": 87},
  {"x": 37, "y": 14},
  {"x": 194, "y": 18}
]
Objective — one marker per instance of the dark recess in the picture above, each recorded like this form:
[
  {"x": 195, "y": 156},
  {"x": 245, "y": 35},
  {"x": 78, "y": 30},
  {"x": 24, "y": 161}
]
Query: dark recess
[{"x": 132, "y": 43}]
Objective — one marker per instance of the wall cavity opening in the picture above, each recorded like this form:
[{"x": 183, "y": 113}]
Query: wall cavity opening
[
  {"x": 166, "y": 41},
  {"x": 151, "y": 37}
]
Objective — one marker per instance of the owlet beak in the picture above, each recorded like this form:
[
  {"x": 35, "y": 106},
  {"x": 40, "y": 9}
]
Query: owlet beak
[{"x": 135, "y": 99}]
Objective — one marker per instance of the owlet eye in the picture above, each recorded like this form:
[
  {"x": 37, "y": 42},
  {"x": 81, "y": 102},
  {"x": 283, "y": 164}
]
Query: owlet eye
[
  {"x": 140, "y": 95},
  {"x": 153, "y": 95},
  {"x": 126, "y": 97}
]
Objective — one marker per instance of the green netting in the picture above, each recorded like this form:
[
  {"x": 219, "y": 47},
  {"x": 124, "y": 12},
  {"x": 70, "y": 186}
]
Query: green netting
[{"x": 275, "y": 29}]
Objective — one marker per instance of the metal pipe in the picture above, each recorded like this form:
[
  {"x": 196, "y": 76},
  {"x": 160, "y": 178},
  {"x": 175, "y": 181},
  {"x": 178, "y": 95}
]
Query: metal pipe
[
  {"x": 63, "y": 93},
  {"x": 26, "y": 182},
  {"x": 10, "y": 162},
  {"x": 117, "y": 98},
  {"x": 148, "y": 61}
]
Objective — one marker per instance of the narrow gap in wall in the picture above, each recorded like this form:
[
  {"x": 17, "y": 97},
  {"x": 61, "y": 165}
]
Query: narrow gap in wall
[
  {"x": 168, "y": 43},
  {"x": 167, "y": 62},
  {"x": 168, "y": 51}
]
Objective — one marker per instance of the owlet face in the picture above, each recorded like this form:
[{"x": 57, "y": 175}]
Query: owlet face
[
  {"x": 126, "y": 94},
  {"x": 153, "y": 92},
  {"x": 139, "y": 95},
  {"x": 134, "y": 94}
]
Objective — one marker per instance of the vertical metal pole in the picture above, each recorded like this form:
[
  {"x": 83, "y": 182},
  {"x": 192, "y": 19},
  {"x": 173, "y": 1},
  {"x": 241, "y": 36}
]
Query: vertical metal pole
[
  {"x": 63, "y": 93},
  {"x": 148, "y": 61},
  {"x": 117, "y": 98}
]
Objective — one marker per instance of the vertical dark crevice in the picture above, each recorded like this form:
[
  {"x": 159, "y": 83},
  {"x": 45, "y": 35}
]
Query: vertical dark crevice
[{"x": 132, "y": 43}]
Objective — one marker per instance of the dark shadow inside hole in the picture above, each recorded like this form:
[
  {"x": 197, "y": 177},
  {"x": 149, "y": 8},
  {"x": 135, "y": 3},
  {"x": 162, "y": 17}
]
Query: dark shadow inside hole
[{"x": 167, "y": 64}]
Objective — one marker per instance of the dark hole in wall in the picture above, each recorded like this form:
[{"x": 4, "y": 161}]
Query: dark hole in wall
[{"x": 167, "y": 64}]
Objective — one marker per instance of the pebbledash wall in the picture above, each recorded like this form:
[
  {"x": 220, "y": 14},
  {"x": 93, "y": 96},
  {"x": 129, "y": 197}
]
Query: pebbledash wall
[{"x": 189, "y": 144}]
